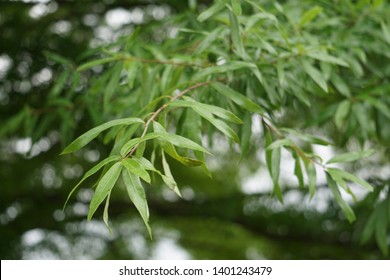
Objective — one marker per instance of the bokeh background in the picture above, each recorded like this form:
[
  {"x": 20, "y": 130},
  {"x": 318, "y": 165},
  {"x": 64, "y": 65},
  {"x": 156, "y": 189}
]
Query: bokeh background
[{"x": 232, "y": 216}]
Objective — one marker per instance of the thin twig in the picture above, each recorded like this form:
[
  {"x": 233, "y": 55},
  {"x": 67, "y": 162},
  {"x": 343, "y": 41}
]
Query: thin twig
[{"x": 162, "y": 108}]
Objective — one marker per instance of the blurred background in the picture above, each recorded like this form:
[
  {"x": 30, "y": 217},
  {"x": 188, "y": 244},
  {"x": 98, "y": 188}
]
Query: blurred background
[{"x": 232, "y": 216}]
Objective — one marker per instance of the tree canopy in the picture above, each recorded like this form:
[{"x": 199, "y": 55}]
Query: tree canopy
[{"x": 166, "y": 93}]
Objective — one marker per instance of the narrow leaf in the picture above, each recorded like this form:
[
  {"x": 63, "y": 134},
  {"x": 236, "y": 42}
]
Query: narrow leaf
[
  {"x": 350, "y": 177},
  {"x": 126, "y": 148},
  {"x": 385, "y": 32},
  {"x": 298, "y": 171},
  {"x": 347, "y": 210},
  {"x": 315, "y": 75},
  {"x": 236, "y": 7},
  {"x": 280, "y": 143},
  {"x": 237, "y": 98},
  {"x": 59, "y": 84},
  {"x": 220, "y": 125},
  {"x": 352, "y": 156},
  {"x": 228, "y": 67},
  {"x": 381, "y": 227},
  {"x": 137, "y": 195},
  {"x": 92, "y": 171},
  {"x": 340, "y": 85},
  {"x": 112, "y": 85},
  {"x": 312, "y": 178},
  {"x": 170, "y": 149},
  {"x": 275, "y": 171},
  {"x": 342, "y": 112},
  {"x": 309, "y": 15},
  {"x": 88, "y": 136},
  {"x": 168, "y": 178},
  {"x": 323, "y": 56},
  {"x": 93, "y": 63},
  {"x": 214, "y": 9},
  {"x": 369, "y": 228},
  {"x": 182, "y": 142},
  {"x": 246, "y": 133},
  {"x": 208, "y": 40},
  {"x": 104, "y": 187},
  {"x": 105, "y": 213},
  {"x": 218, "y": 111},
  {"x": 235, "y": 35},
  {"x": 136, "y": 168}
]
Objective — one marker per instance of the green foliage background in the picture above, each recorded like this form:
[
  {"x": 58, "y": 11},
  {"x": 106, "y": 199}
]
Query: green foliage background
[{"x": 143, "y": 105}]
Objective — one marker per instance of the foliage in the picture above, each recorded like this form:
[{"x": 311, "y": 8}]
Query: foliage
[{"x": 313, "y": 71}]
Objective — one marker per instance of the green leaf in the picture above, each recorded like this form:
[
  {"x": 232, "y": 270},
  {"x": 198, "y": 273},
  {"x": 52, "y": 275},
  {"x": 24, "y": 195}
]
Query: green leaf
[
  {"x": 342, "y": 112},
  {"x": 347, "y": 210},
  {"x": 170, "y": 149},
  {"x": 136, "y": 168},
  {"x": 306, "y": 137},
  {"x": 218, "y": 111},
  {"x": 281, "y": 75},
  {"x": 126, "y": 148},
  {"x": 208, "y": 40},
  {"x": 275, "y": 171},
  {"x": 236, "y": 7},
  {"x": 96, "y": 62},
  {"x": 341, "y": 182},
  {"x": 246, "y": 133},
  {"x": 214, "y": 9},
  {"x": 280, "y": 143},
  {"x": 59, "y": 84},
  {"x": 182, "y": 142},
  {"x": 237, "y": 98},
  {"x": 309, "y": 15},
  {"x": 298, "y": 171},
  {"x": 168, "y": 178},
  {"x": 13, "y": 123},
  {"x": 228, "y": 67},
  {"x": 352, "y": 156},
  {"x": 315, "y": 75},
  {"x": 340, "y": 85},
  {"x": 91, "y": 134},
  {"x": 92, "y": 171},
  {"x": 104, "y": 187},
  {"x": 236, "y": 37},
  {"x": 146, "y": 164},
  {"x": 312, "y": 178},
  {"x": 132, "y": 69},
  {"x": 268, "y": 152},
  {"x": 112, "y": 85},
  {"x": 105, "y": 213},
  {"x": 220, "y": 125},
  {"x": 58, "y": 58},
  {"x": 322, "y": 56},
  {"x": 350, "y": 177},
  {"x": 369, "y": 228},
  {"x": 137, "y": 195},
  {"x": 378, "y": 104},
  {"x": 381, "y": 226},
  {"x": 385, "y": 32}
]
